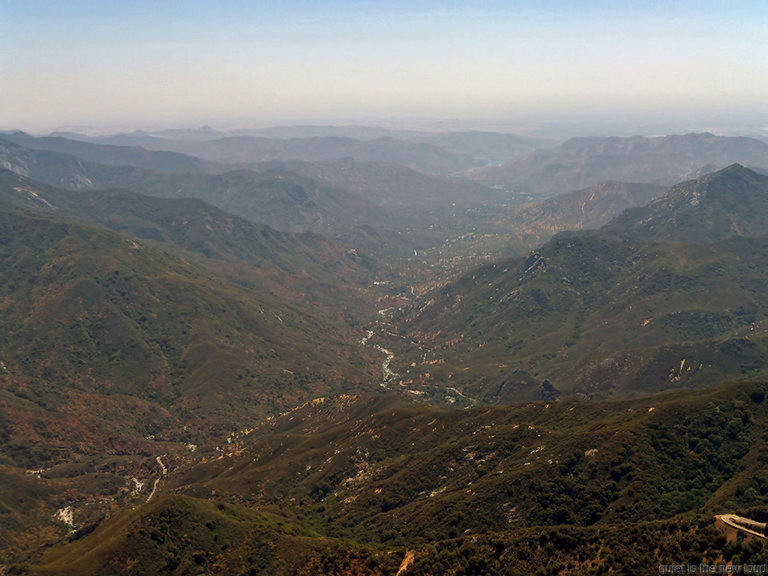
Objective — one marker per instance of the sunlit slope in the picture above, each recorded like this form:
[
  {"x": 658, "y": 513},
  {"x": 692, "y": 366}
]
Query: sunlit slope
[
  {"x": 348, "y": 479},
  {"x": 599, "y": 314},
  {"x": 305, "y": 266},
  {"x": 280, "y": 199},
  {"x": 89, "y": 311}
]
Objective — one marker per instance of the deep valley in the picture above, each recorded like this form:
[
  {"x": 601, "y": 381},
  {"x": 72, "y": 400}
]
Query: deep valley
[{"x": 359, "y": 351}]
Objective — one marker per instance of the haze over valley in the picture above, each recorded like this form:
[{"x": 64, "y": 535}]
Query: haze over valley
[{"x": 406, "y": 290}]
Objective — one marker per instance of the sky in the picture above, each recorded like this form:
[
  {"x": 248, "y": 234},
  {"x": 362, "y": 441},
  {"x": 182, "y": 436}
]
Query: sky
[{"x": 140, "y": 64}]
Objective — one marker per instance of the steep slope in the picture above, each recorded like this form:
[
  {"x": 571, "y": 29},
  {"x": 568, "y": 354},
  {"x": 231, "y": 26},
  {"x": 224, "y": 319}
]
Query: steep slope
[
  {"x": 99, "y": 311},
  {"x": 115, "y": 349},
  {"x": 475, "y": 223},
  {"x": 596, "y": 314},
  {"x": 529, "y": 225},
  {"x": 590, "y": 208},
  {"x": 582, "y": 162},
  {"x": 731, "y": 202},
  {"x": 476, "y": 232},
  {"x": 280, "y": 199},
  {"x": 352, "y": 485},
  {"x": 288, "y": 265},
  {"x": 163, "y": 161},
  {"x": 395, "y": 188},
  {"x": 54, "y": 168}
]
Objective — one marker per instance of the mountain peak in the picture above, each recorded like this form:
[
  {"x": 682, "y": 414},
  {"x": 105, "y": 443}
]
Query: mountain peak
[
  {"x": 735, "y": 169},
  {"x": 730, "y": 202}
]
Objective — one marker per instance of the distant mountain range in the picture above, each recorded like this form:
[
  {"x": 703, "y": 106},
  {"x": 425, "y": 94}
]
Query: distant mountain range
[
  {"x": 251, "y": 149},
  {"x": 374, "y": 204},
  {"x": 484, "y": 147},
  {"x": 211, "y": 367},
  {"x": 282, "y": 199},
  {"x": 162, "y": 161},
  {"x": 582, "y": 162}
]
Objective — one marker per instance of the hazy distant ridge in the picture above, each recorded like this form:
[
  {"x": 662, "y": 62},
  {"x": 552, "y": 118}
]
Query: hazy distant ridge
[{"x": 583, "y": 162}]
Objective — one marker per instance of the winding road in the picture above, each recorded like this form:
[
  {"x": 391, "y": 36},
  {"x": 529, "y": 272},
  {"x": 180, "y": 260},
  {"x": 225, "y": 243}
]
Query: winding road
[{"x": 744, "y": 524}]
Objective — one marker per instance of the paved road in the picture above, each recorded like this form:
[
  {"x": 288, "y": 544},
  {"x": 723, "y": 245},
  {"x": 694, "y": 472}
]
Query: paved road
[{"x": 743, "y": 524}]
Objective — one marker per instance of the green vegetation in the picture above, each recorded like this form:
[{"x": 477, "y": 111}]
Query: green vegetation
[
  {"x": 192, "y": 326},
  {"x": 185, "y": 391},
  {"x": 612, "y": 312},
  {"x": 348, "y": 485}
]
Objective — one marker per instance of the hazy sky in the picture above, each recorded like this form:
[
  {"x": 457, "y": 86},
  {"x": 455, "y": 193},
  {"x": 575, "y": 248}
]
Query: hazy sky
[{"x": 123, "y": 64}]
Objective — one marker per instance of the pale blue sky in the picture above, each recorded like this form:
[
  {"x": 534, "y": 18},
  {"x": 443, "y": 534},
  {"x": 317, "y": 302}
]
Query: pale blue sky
[{"x": 124, "y": 64}]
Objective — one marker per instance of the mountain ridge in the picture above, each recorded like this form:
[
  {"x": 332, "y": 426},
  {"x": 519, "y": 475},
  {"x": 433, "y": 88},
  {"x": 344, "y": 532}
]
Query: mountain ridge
[
  {"x": 164, "y": 161},
  {"x": 663, "y": 160},
  {"x": 183, "y": 390},
  {"x": 599, "y": 314},
  {"x": 354, "y": 485},
  {"x": 731, "y": 201}
]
